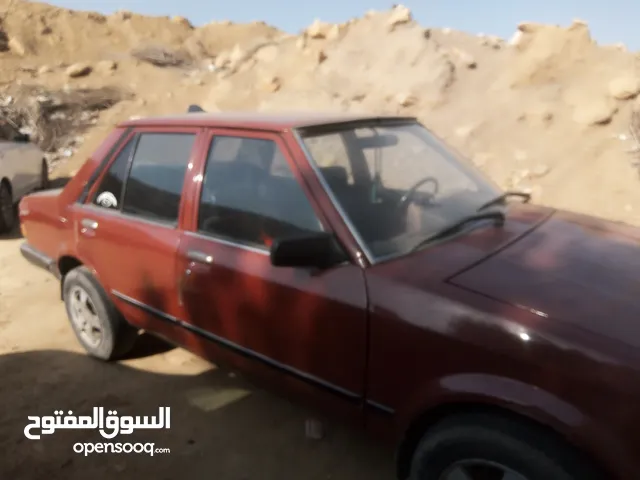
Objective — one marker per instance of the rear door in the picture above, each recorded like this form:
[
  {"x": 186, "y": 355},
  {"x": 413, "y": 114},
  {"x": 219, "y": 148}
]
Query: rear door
[
  {"x": 300, "y": 328},
  {"x": 128, "y": 230}
]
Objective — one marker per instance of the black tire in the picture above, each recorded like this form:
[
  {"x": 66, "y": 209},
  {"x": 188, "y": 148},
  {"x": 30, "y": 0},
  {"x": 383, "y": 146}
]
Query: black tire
[
  {"x": 116, "y": 335},
  {"x": 44, "y": 175},
  {"x": 8, "y": 213},
  {"x": 517, "y": 446}
]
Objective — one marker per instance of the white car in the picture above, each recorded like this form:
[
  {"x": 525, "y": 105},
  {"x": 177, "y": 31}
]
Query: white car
[{"x": 23, "y": 169}]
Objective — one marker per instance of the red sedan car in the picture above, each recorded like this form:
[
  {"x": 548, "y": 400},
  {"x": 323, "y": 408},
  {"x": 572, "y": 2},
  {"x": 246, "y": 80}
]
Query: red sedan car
[{"x": 360, "y": 264}]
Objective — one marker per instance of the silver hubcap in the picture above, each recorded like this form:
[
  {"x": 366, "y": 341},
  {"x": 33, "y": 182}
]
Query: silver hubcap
[
  {"x": 84, "y": 317},
  {"x": 6, "y": 205},
  {"x": 480, "y": 470}
]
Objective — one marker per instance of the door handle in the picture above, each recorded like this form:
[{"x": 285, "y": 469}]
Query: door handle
[
  {"x": 200, "y": 257},
  {"x": 88, "y": 223}
]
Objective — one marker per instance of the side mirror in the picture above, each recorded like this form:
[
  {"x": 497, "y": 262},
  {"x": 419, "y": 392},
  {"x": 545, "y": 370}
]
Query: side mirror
[{"x": 314, "y": 250}]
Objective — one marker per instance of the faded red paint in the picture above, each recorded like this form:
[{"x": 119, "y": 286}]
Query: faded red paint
[{"x": 540, "y": 317}]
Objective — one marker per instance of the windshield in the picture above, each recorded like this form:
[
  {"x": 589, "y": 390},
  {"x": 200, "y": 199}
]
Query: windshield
[{"x": 396, "y": 183}]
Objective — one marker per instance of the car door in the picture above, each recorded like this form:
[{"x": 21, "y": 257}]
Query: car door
[
  {"x": 128, "y": 228},
  {"x": 303, "y": 329}
]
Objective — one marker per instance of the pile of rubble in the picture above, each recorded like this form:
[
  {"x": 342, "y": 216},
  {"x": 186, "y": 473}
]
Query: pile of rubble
[
  {"x": 55, "y": 120},
  {"x": 547, "y": 111}
]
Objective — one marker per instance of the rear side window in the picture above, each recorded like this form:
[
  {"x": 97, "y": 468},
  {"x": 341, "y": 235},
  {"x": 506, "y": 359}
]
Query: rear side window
[
  {"x": 156, "y": 178},
  {"x": 109, "y": 193}
]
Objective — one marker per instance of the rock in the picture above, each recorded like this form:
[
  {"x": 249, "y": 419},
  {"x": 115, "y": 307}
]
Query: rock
[
  {"x": 46, "y": 30},
  {"x": 516, "y": 39},
  {"x": 426, "y": 33},
  {"x": 492, "y": 41},
  {"x": 301, "y": 42},
  {"x": 406, "y": 99},
  {"x": 318, "y": 29},
  {"x": 122, "y": 15},
  {"x": 540, "y": 114},
  {"x": 598, "y": 112},
  {"x": 624, "y": 87},
  {"x": 44, "y": 69},
  {"x": 181, "y": 21},
  {"x": 236, "y": 55},
  {"x": 106, "y": 66},
  {"x": 321, "y": 56},
  {"x": 96, "y": 17},
  {"x": 78, "y": 70},
  {"x": 222, "y": 60},
  {"x": 539, "y": 171},
  {"x": 579, "y": 23},
  {"x": 271, "y": 84},
  {"x": 529, "y": 27},
  {"x": 17, "y": 47},
  {"x": 465, "y": 58},
  {"x": 399, "y": 16},
  {"x": 334, "y": 32}
]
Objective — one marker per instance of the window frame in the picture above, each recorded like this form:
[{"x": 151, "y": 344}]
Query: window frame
[
  {"x": 134, "y": 136},
  {"x": 191, "y": 223}
]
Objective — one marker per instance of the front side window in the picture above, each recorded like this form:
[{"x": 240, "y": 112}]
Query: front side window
[
  {"x": 397, "y": 183},
  {"x": 156, "y": 177},
  {"x": 250, "y": 194}
]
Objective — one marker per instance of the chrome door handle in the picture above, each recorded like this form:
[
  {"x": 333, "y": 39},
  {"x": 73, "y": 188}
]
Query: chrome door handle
[
  {"x": 200, "y": 257},
  {"x": 88, "y": 223}
]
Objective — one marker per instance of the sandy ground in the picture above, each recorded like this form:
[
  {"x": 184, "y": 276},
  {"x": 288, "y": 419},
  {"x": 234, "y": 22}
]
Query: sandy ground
[{"x": 222, "y": 427}]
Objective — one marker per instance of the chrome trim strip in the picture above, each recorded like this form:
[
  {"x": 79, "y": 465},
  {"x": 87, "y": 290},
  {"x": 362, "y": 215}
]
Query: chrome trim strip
[
  {"x": 334, "y": 200},
  {"x": 380, "y": 407},
  {"x": 128, "y": 216},
  {"x": 228, "y": 243},
  {"x": 318, "y": 382}
]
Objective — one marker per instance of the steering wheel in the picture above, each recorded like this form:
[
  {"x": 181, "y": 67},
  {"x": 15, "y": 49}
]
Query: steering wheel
[{"x": 406, "y": 198}]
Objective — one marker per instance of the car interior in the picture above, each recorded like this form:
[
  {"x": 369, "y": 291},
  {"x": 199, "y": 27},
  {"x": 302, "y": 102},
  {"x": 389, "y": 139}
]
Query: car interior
[{"x": 253, "y": 196}]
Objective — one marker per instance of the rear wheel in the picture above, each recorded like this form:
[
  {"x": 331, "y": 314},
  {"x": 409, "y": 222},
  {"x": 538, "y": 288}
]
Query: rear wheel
[
  {"x": 7, "y": 209},
  {"x": 99, "y": 327},
  {"x": 491, "y": 447}
]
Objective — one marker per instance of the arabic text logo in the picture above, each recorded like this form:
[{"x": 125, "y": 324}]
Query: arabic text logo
[{"x": 109, "y": 426}]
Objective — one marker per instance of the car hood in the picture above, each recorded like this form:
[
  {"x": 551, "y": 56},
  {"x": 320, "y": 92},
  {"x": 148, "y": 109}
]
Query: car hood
[{"x": 571, "y": 268}]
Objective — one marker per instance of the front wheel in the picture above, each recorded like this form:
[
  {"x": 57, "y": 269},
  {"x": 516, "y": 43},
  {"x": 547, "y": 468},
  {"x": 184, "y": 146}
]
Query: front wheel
[
  {"x": 98, "y": 325},
  {"x": 490, "y": 447}
]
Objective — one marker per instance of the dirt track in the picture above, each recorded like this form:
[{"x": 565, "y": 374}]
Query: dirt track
[{"x": 221, "y": 427}]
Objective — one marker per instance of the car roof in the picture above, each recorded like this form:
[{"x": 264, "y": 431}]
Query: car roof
[{"x": 278, "y": 121}]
